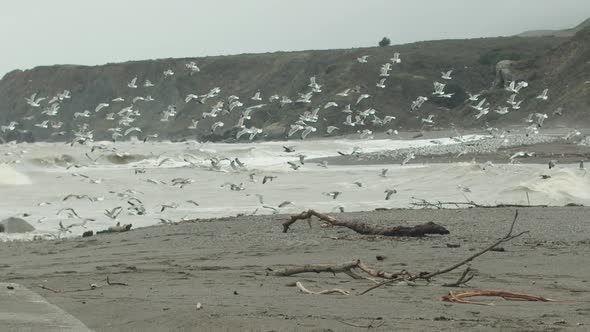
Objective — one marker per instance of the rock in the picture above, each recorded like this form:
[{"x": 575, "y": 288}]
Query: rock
[
  {"x": 15, "y": 225},
  {"x": 503, "y": 73}
]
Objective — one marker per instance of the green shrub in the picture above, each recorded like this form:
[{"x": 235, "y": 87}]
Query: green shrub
[{"x": 385, "y": 42}]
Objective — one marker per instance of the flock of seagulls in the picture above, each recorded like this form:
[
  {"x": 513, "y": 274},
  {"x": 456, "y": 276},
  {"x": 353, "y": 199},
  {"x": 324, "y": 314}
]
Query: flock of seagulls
[{"x": 354, "y": 103}]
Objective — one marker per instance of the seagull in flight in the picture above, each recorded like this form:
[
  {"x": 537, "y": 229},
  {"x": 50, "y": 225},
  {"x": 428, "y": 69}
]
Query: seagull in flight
[
  {"x": 363, "y": 59},
  {"x": 543, "y": 95},
  {"x": 133, "y": 83},
  {"x": 447, "y": 75}
]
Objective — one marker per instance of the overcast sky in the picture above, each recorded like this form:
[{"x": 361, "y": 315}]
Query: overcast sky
[{"x": 90, "y": 32}]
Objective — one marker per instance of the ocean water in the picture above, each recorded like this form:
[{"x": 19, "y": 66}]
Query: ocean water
[{"x": 34, "y": 179}]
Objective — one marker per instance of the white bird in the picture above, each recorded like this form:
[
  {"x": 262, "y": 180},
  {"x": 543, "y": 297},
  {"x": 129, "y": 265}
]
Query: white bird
[
  {"x": 133, "y": 83},
  {"x": 216, "y": 125},
  {"x": 439, "y": 88},
  {"x": 330, "y": 129},
  {"x": 361, "y": 97},
  {"x": 396, "y": 58},
  {"x": 132, "y": 129},
  {"x": 447, "y": 75},
  {"x": 330, "y": 104},
  {"x": 428, "y": 119},
  {"x": 43, "y": 124},
  {"x": 148, "y": 84},
  {"x": 85, "y": 114},
  {"x": 381, "y": 83},
  {"x": 501, "y": 110},
  {"x": 100, "y": 107},
  {"x": 307, "y": 131},
  {"x": 193, "y": 124},
  {"x": 543, "y": 95},
  {"x": 343, "y": 93},
  {"x": 33, "y": 101},
  {"x": 168, "y": 72},
  {"x": 11, "y": 126},
  {"x": 256, "y": 96},
  {"x": 416, "y": 104},
  {"x": 118, "y": 99},
  {"x": 479, "y": 106},
  {"x": 363, "y": 59},
  {"x": 482, "y": 112},
  {"x": 473, "y": 97}
]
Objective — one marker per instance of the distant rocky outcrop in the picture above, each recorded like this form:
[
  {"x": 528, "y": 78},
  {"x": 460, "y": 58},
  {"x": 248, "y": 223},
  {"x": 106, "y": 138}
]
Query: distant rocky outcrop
[{"x": 15, "y": 225}]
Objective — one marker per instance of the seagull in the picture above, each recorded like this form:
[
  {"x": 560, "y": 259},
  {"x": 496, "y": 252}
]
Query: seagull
[
  {"x": 78, "y": 197},
  {"x": 132, "y": 129},
  {"x": 192, "y": 202},
  {"x": 293, "y": 165},
  {"x": 302, "y": 159},
  {"x": 543, "y": 95},
  {"x": 268, "y": 178},
  {"x": 389, "y": 192},
  {"x": 33, "y": 101},
  {"x": 358, "y": 184},
  {"x": 133, "y": 83},
  {"x": 113, "y": 213},
  {"x": 446, "y": 75},
  {"x": 396, "y": 58},
  {"x": 330, "y": 104},
  {"x": 363, "y": 59},
  {"x": 473, "y": 97},
  {"x": 381, "y": 83},
  {"x": 344, "y": 93},
  {"x": 330, "y": 129},
  {"x": 148, "y": 84},
  {"x": 289, "y": 149},
  {"x": 216, "y": 125},
  {"x": 168, "y": 72},
  {"x": 384, "y": 172},
  {"x": 307, "y": 131},
  {"x": 70, "y": 210},
  {"x": 256, "y": 96},
  {"x": 361, "y": 97},
  {"x": 333, "y": 194},
  {"x": 168, "y": 206},
  {"x": 323, "y": 164}
]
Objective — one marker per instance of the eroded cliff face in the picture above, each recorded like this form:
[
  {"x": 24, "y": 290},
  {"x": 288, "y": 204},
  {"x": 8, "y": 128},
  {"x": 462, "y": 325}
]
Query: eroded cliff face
[{"x": 287, "y": 74}]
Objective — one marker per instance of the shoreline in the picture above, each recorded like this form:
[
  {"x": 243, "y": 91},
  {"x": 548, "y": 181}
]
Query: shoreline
[{"x": 222, "y": 264}]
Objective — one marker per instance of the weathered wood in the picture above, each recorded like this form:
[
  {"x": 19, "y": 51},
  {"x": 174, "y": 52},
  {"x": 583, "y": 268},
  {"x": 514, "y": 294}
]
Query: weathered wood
[{"x": 366, "y": 229}]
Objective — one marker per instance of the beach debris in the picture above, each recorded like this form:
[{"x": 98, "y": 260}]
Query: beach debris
[
  {"x": 304, "y": 290},
  {"x": 371, "y": 325},
  {"x": 92, "y": 286},
  {"x": 429, "y": 275},
  {"x": 199, "y": 306},
  {"x": 118, "y": 228},
  {"x": 459, "y": 297},
  {"x": 365, "y": 229}
]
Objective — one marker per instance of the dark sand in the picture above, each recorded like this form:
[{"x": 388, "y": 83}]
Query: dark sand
[{"x": 221, "y": 264}]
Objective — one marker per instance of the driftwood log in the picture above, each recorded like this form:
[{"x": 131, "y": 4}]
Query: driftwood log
[
  {"x": 365, "y": 229},
  {"x": 346, "y": 268}
]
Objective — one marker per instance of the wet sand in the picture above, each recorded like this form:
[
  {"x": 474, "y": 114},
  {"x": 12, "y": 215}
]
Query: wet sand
[{"x": 222, "y": 263}]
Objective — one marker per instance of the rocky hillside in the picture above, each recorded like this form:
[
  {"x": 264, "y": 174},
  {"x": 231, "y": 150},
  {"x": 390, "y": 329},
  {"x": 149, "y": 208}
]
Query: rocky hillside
[{"x": 556, "y": 63}]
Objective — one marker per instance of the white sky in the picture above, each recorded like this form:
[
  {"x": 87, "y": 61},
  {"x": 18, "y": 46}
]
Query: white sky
[{"x": 43, "y": 32}]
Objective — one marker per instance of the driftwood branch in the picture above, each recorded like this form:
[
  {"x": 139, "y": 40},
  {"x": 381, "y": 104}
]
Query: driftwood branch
[
  {"x": 428, "y": 276},
  {"x": 422, "y": 203},
  {"x": 91, "y": 287},
  {"x": 365, "y": 229},
  {"x": 323, "y": 292},
  {"x": 346, "y": 268},
  {"x": 463, "y": 279},
  {"x": 460, "y": 297}
]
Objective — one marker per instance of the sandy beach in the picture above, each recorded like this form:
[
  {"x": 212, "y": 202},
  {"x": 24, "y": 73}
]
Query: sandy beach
[{"x": 223, "y": 265}]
